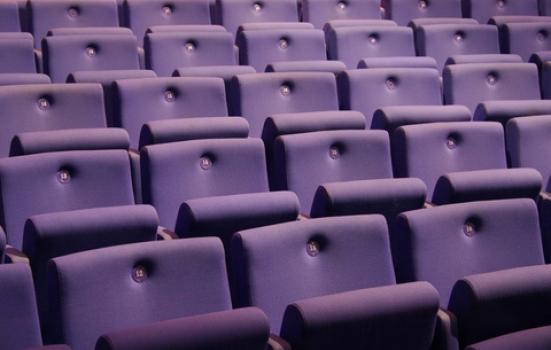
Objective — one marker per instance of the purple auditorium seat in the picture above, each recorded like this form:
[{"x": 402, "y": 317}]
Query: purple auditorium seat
[
  {"x": 64, "y": 55},
  {"x": 326, "y": 267},
  {"x": 245, "y": 328},
  {"x": 148, "y": 282},
  {"x": 319, "y": 12},
  {"x": 258, "y": 96},
  {"x": 403, "y": 11},
  {"x": 502, "y": 111},
  {"x": 398, "y": 62},
  {"x": 340, "y": 23},
  {"x": 302, "y": 162},
  {"x": 367, "y": 90},
  {"x": 334, "y": 67},
  {"x": 351, "y": 44},
  {"x": 258, "y": 48},
  {"x": 166, "y": 52},
  {"x": 524, "y": 39},
  {"x": 274, "y": 26},
  {"x": 483, "y": 10},
  {"x": 501, "y": 20},
  {"x": 9, "y": 17},
  {"x": 484, "y": 58},
  {"x": 545, "y": 7},
  {"x": 142, "y": 14},
  {"x": 185, "y": 28},
  {"x": 47, "y": 236},
  {"x": 138, "y": 101},
  {"x": 106, "y": 79},
  {"x": 424, "y": 21},
  {"x": 487, "y": 256},
  {"x": 89, "y": 31},
  {"x": 49, "y": 107},
  {"x": 48, "y": 14},
  {"x": 534, "y": 339},
  {"x": 471, "y": 84},
  {"x": 232, "y": 13},
  {"x": 23, "y": 79},
  {"x": 540, "y": 57},
  {"x": 16, "y": 53},
  {"x": 392, "y": 117},
  {"x": 442, "y": 41},
  {"x": 73, "y": 183}
]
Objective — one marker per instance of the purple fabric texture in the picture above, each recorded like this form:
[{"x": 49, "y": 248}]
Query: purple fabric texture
[
  {"x": 17, "y": 53},
  {"x": 393, "y": 117},
  {"x": 258, "y": 96},
  {"x": 23, "y": 79},
  {"x": 68, "y": 140},
  {"x": 142, "y": 14},
  {"x": 311, "y": 258},
  {"x": 367, "y": 90},
  {"x": 339, "y": 23},
  {"x": 497, "y": 303},
  {"x": 273, "y": 26},
  {"x": 398, "y": 62},
  {"x": 483, "y": 10},
  {"x": 148, "y": 282},
  {"x": 226, "y": 72},
  {"x": 246, "y": 329},
  {"x": 417, "y": 22},
  {"x": 186, "y": 28},
  {"x": 49, "y": 107},
  {"x": 540, "y": 57},
  {"x": 89, "y": 31},
  {"x": 258, "y": 48},
  {"x": 351, "y": 44},
  {"x": 403, "y": 11},
  {"x": 168, "y": 51},
  {"x": 307, "y": 66},
  {"x": 442, "y": 41},
  {"x": 502, "y": 20},
  {"x": 174, "y": 130},
  {"x": 49, "y": 14},
  {"x": 524, "y": 39},
  {"x": 67, "y": 54},
  {"x": 9, "y": 17},
  {"x": 365, "y": 319},
  {"x": 319, "y": 12},
  {"x": 302, "y": 162},
  {"x": 138, "y": 101},
  {"x": 546, "y": 80},
  {"x": 471, "y": 84},
  {"x": 175, "y": 172},
  {"x": 534, "y": 339},
  {"x": 428, "y": 151},
  {"x": 444, "y": 244},
  {"x": 470, "y": 186},
  {"x": 60, "y": 181},
  {"x": 484, "y": 58},
  {"x": 503, "y": 111}
]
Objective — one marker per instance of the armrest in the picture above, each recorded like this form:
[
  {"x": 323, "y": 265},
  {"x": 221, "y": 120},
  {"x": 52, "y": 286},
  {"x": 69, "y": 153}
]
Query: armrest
[
  {"x": 492, "y": 304},
  {"x": 222, "y": 216},
  {"x": 445, "y": 335},
  {"x": 399, "y": 316},
  {"x": 246, "y": 328},
  {"x": 382, "y": 196},
  {"x": 470, "y": 186},
  {"x": 165, "y": 234},
  {"x": 15, "y": 256}
]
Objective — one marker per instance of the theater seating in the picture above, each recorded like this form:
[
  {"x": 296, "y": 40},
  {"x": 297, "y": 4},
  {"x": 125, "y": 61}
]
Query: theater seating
[
  {"x": 9, "y": 17},
  {"x": 23, "y": 79},
  {"x": 16, "y": 53},
  {"x": 319, "y": 12},
  {"x": 403, "y": 11},
  {"x": 398, "y": 62},
  {"x": 503, "y": 111},
  {"x": 483, "y": 10},
  {"x": 524, "y": 39}
]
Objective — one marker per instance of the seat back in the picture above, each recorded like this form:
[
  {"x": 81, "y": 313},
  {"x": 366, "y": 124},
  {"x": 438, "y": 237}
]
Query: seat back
[
  {"x": 148, "y": 282},
  {"x": 428, "y": 151},
  {"x": 16, "y": 52},
  {"x": 524, "y": 39},
  {"x": 444, "y": 244},
  {"x": 138, "y": 101},
  {"x": 483, "y": 10},
  {"x": 9, "y": 17},
  {"x": 175, "y": 172},
  {"x": 319, "y": 12},
  {"x": 403, "y": 11},
  {"x": 23, "y": 79}
]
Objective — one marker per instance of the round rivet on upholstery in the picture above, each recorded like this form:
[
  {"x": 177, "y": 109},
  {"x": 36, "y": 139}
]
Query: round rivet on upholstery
[
  {"x": 334, "y": 152},
  {"x": 459, "y": 36},
  {"x": 423, "y": 4},
  {"x": 91, "y": 51},
  {"x": 43, "y": 103},
  {"x": 341, "y": 5},
  {"x": 189, "y": 46},
  {"x": 205, "y": 163},
  {"x": 451, "y": 143},
  {"x": 63, "y": 176},
  {"x": 492, "y": 79},
  {"x": 72, "y": 12},
  {"x": 501, "y": 3},
  {"x": 167, "y": 10},
  {"x": 313, "y": 248},
  {"x": 390, "y": 83},
  {"x": 139, "y": 274},
  {"x": 469, "y": 228},
  {"x": 285, "y": 90},
  {"x": 542, "y": 35},
  {"x": 257, "y": 6},
  {"x": 283, "y": 43},
  {"x": 170, "y": 96},
  {"x": 373, "y": 39}
]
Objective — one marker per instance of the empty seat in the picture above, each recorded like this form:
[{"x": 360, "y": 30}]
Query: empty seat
[
  {"x": 302, "y": 162},
  {"x": 339, "y": 23},
  {"x": 470, "y": 84},
  {"x": 73, "y": 182},
  {"x": 258, "y": 48},
  {"x": 9, "y": 17},
  {"x": 166, "y": 52},
  {"x": 49, "y": 14},
  {"x": 318, "y": 259},
  {"x": 442, "y": 41},
  {"x": 319, "y": 12},
  {"x": 64, "y": 55},
  {"x": 398, "y": 62},
  {"x": 258, "y": 96},
  {"x": 484, "y": 58},
  {"x": 142, "y": 14},
  {"x": 89, "y": 31},
  {"x": 186, "y": 28},
  {"x": 274, "y": 26},
  {"x": 366, "y": 90},
  {"x": 524, "y": 39},
  {"x": 139, "y": 101},
  {"x": 415, "y": 23},
  {"x": 307, "y": 66},
  {"x": 23, "y": 79},
  {"x": 224, "y": 72},
  {"x": 16, "y": 53},
  {"x": 403, "y": 11},
  {"x": 483, "y": 10},
  {"x": 545, "y": 7},
  {"x": 540, "y": 57},
  {"x": 49, "y": 107},
  {"x": 233, "y": 13},
  {"x": 535, "y": 339},
  {"x": 501, "y": 20},
  {"x": 503, "y": 111},
  {"x": 351, "y": 44}
]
